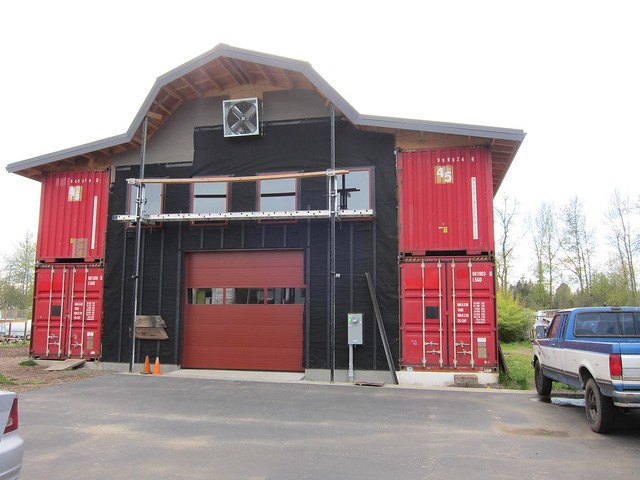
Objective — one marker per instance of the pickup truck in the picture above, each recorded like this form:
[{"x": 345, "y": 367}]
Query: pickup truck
[{"x": 596, "y": 349}]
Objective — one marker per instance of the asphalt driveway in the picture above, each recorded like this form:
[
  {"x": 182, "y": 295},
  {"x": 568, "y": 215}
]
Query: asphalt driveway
[{"x": 161, "y": 427}]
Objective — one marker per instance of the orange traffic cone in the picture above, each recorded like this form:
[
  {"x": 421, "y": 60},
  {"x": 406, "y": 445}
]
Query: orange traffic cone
[
  {"x": 156, "y": 367},
  {"x": 147, "y": 367}
]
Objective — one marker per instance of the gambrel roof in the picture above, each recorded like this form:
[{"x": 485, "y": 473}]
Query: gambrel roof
[{"x": 236, "y": 73}]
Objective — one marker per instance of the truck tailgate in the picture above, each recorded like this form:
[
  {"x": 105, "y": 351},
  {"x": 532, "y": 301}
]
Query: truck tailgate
[
  {"x": 630, "y": 361},
  {"x": 631, "y": 368}
]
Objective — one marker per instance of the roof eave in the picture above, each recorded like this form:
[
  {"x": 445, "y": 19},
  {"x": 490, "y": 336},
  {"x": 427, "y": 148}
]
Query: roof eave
[
  {"x": 446, "y": 128},
  {"x": 68, "y": 153}
]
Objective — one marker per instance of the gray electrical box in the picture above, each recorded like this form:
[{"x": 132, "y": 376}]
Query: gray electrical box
[{"x": 354, "y": 328}]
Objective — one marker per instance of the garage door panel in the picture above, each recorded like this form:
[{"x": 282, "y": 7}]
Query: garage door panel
[
  {"x": 246, "y": 269},
  {"x": 244, "y": 336},
  {"x": 289, "y": 358},
  {"x": 242, "y": 331}
]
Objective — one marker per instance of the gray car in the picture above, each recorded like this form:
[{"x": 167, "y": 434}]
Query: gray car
[{"x": 11, "y": 443}]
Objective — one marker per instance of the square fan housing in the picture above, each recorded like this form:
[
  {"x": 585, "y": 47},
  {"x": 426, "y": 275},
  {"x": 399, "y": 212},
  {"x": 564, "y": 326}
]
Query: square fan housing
[{"x": 241, "y": 117}]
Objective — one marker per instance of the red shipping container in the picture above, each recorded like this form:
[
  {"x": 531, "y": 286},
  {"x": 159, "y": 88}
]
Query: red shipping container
[
  {"x": 448, "y": 315},
  {"x": 67, "y": 311},
  {"x": 446, "y": 201},
  {"x": 73, "y": 216}
]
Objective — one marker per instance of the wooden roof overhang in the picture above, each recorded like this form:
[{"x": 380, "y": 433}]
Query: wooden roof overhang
[{"x": 238, "y": 73}]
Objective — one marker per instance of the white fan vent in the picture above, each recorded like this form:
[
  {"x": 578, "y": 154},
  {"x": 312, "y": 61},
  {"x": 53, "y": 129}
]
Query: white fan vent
[{"x": 241, "y": 117}]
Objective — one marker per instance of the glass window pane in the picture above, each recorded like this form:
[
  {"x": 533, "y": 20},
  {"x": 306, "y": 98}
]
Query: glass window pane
[
  {"x": 217, "y": 296},
  {"x": 354, "y": 190},
  {"x": 133, "y": 196},
  {"x": 153, "y": 199},
  {"x": 199, "y": 296},
  {"x": 280, "y": 185}
]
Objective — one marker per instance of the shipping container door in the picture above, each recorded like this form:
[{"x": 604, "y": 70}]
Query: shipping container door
[
  {"x": 244, "y": 310},
  {"x": 424, "y": 315},
  {"x": 448, "y": 315},
  {"x": 473, "y": 321},
  {"x": 67, "y": 313}
]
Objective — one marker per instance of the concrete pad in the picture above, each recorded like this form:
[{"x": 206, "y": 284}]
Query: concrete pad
[
  {"x": 67, "y": 364},
  {"x": 240, "y": 375}
]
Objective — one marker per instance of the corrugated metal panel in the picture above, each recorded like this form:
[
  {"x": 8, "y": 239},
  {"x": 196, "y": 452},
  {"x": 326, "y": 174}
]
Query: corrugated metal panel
[
  {"x": 448, "y": 317},
  {"x": 73, "y": 216},
  {"x": 244, "y": 337},
  {"x": 67, "y": 311},
  {"x": 445, "y": 201}
]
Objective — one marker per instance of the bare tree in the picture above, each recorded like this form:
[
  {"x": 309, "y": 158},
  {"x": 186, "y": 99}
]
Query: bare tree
[
  {"x": 624, "y": 238},
  {"x": 505, "y": 217},
  {"x": 577, "y": 243},
  {"x": 545, "y": 235}
]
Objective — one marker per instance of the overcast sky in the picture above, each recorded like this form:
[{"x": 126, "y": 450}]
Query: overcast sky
[{"x": 565, "y": 72}]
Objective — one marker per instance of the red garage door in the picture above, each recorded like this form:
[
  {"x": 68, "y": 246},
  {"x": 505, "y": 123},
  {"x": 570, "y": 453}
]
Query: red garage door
[{"x": 244, "y": 310}]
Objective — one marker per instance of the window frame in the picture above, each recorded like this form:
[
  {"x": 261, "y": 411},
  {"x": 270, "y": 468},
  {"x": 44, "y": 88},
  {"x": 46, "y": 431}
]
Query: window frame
[
  {"x": 209, "y": 222},
  {"x": 295, "y": 194},
  {"x": 132, "y": 196}
]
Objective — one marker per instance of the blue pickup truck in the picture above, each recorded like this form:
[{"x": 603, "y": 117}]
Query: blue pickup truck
[{"x": 596, "y": 349}]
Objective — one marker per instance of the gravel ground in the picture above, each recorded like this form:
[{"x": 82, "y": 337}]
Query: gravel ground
[{"x": 20, "y": 378}]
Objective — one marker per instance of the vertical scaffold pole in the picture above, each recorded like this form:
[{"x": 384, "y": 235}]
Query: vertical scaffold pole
[
  {"x": 136, "y": 276},
  {"x": 332, "y": 246}
]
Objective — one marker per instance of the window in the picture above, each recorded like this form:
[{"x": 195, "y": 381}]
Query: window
[
  {"x": 554, "y": 327},
  {"x": 209, "y": 197},
  {"x": 278, "y": 195},
  {"x": 205, "y": 296},
  {"x": 153, "y": 193},
  {"x": 245, "y": 296},
  {"x": 354, "y": 190},
  {"x": 607, "y": 324}
]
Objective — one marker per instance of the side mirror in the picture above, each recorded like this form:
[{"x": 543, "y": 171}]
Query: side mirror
[{"x": 541, "y": 331}]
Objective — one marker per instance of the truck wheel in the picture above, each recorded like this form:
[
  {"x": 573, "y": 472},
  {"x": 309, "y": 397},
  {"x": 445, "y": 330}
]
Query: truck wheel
[
  {"x": 543, "y": 384},
  {"x": 599, "y": 408}
]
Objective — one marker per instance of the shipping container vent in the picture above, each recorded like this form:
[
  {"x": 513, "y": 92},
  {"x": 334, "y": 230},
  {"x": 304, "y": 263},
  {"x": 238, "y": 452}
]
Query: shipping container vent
[{"x": 241, "y": 117}]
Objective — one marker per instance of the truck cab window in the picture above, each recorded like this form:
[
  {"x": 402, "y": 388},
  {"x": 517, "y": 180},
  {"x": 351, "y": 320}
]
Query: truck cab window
[{"x": 554, "y": 328}]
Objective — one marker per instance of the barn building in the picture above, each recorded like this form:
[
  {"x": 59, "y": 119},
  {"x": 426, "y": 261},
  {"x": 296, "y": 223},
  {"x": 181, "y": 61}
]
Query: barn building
[{"x": 251, "y": 219}]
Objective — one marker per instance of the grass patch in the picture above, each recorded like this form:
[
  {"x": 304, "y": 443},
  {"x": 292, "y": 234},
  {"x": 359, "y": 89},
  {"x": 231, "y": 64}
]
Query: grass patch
[
  {"x": 28, "y": 363},
  {"x": 517, "y": 356},
  {"x": 5, "y": 380}
]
